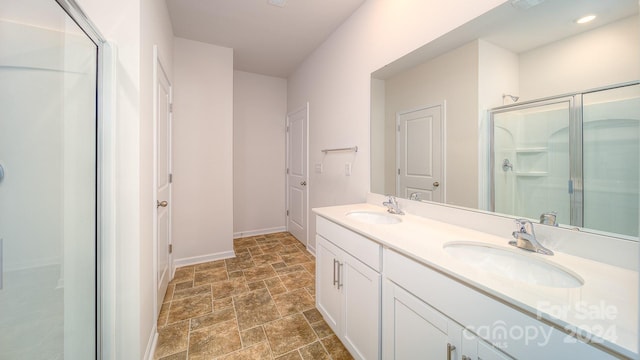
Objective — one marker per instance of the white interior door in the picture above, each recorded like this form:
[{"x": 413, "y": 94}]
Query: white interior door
[
  {"x": 297, "y": 173},
  {"x": 420, "y": 153},
  {"x": 162, "y": 120}
]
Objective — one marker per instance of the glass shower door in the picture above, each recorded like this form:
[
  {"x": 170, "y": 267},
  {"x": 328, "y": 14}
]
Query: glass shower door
[
  {"x": 47, "y": 184},
  {"x": 531, "y": 159},
  {"x": 611, "y": 158}
]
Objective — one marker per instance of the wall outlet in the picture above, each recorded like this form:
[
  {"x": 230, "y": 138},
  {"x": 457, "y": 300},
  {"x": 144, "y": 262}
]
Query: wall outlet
[
  {"x": 347, "y": 169},
  {"x": 318, "y": 168}
]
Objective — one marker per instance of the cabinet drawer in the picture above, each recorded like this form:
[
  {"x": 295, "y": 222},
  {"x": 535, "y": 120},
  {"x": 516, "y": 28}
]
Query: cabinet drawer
[{"x": 358, "y": 246}]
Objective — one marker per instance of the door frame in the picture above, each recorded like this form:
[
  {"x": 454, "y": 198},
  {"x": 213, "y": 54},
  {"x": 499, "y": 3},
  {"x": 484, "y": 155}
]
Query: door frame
[
  {"x": 287, "y": 164},
  {"x": 443, "y": 142},
  {"x": 157, "y": 68}
]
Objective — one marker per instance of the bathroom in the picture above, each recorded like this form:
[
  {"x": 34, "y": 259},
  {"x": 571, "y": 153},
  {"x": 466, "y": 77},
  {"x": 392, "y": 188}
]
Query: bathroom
[{"x": 334, "y": 80}]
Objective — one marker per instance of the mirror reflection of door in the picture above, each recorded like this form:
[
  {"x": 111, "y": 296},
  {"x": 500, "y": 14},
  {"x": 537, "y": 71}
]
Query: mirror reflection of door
[{"x": 420, "y": 154}]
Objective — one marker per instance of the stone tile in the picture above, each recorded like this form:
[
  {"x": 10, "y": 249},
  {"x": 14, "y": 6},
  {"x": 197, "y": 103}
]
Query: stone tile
[
  {"x": 222, "y": 303},
  {"x": 168, "y": 296},
  {"x": 336, "y": 350},
  {"x": 258, "y": 352},
  {"x": 310, "y": 267},
  {"x": 215, "y": 317},
  {"x": 313, "y": 316},
  {"x": 210, "y": 276},
  {"x": 183, "y": 285},
  {"x": 311, "y": 291},
  {"x": 275, "y": 286},
  {"x": 266, "y": 259},
  {"x": 252, "y": 336},
  {"x": 240, "y": 262},
  {"x": 290, "y": 269},
  {"x": 289, "y": 240},
  {"x": 297, "y": 280},
  {"x": 294, "y": 355},
  {"x": 210, "y": 265},
  {"x": 236, "y": 275},
  {"x": 228, "y": 288},
  {"x": 172, "y": 339},
  {"x": 293, "y": 302},
  {"x": 259, "y": 273},
  {"x": 164, "y": 314},
  {"x": 289, "y": 333},
  {"x": 255, "y": 250},
  {"x": 294, "y": 258},
  {"x": 278, "y": 265},
  {"x": 322, "y": 329},
  {"x": 314, "y": 351},
  {"x": 183, "y": 274},
  {"x": 213, "y": 341},
  {"x": 244, "y": 242},
  {"x": 290, "y": 250},
  {"x": 255, "y": 308},
  {"x": 190, "y": 307},
  {"x": 178, "y": 356},
  {"x": 193, "y": 291},
  {"x": 256, "y": 285},
  {"x": 272, "y": 247}
]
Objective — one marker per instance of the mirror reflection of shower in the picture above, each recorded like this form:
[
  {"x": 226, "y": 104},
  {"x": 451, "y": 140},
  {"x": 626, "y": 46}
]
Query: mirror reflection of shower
[{"x": 577, "y": 155}]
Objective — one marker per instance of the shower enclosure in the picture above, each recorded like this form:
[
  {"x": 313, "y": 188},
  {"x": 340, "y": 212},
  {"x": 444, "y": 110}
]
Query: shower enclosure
[
  {"x": 48, "y": 183},
  {"x": 576, "y": 155}
]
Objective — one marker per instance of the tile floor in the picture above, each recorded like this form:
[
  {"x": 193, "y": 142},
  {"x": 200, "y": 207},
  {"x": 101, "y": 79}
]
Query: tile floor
[{"x": 258, "y": 305}]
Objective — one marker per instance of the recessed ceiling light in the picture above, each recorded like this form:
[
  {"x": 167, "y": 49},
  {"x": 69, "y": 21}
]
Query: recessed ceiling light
[
  {"x": 585, "y": 19},
  {"x": 280, "y": 3}
]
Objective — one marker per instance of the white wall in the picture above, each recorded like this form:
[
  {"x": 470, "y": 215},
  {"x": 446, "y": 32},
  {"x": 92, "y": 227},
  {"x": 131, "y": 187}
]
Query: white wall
[
  {"x": 452, "y": 80},
  {"x": 202, "y": 152},
  {"x": 335, "y": 79},
  {"x": 259, "y": 111},
  {"x": 608, "y": 54}
]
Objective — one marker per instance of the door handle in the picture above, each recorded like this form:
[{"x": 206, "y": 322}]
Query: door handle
[
  {"x": 450, "y": 349},
  {"x": 162, "y": 203},
  {"x": 335, "y": 281},
  {"x": 303, "y": 183},
  {"x": 436, "y": 184}
]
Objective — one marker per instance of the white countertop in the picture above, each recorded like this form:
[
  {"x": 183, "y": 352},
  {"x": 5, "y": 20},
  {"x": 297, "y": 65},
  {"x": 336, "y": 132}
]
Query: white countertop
[{"x": 605, "y": 308}]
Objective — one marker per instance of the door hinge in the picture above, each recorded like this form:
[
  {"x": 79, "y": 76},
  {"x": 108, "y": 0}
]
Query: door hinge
[
  {"x": 287, "y": 171},
  {"x": 398, "y": 171},
  {"x": 170, "y": 178},
  {"x": 398, "y": 128},
  {"x": 287, "y": 212},
  {"x": 287, "y": 128},
  {"x": 171, "y": 107},
  {"x": 170, "y": 248},
  {"x": 570, "y": 186}
]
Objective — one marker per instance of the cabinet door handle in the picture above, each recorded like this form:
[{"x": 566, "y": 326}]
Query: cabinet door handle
[
  {"x": 340, "y": 284},
  {"x": 450, "y": 349},
  {"x": 335, "y": 273},
  {"x": 465, "y": 357}
]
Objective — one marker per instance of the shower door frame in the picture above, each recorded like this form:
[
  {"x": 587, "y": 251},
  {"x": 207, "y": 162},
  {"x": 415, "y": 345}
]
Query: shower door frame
[
  {"x": 575, "y": 149},
  {"x": 104, "y": 187}
]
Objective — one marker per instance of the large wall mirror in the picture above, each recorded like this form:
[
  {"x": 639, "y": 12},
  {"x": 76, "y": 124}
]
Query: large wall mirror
[{"x": 522, "y": 111}]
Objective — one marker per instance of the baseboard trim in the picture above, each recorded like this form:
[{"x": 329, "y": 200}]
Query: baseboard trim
[
  {"x": 203, "y": 259},
  {"x": 311, "y": 249},
  {"x": 242, "y": 234},
  {"x": 151, "y": 344}
]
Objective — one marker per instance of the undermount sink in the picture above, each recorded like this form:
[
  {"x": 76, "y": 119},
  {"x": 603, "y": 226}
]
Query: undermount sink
[
  {"x": 371, "y": 217},
  {"x": 513, "y": 264}
]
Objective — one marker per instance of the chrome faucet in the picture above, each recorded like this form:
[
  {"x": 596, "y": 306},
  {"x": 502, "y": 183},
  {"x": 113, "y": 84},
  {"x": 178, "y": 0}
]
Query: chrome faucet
[
  {"x": 414, "y": 196},
  {"x": 392, "y": 205},
  {"x": 525, "y": 238}
]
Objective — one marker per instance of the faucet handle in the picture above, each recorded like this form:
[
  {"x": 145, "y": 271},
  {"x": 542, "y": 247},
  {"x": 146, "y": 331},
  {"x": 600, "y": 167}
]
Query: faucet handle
[
  {"x": 549, "y": 218},
  {"x": 524, "y": 226}
]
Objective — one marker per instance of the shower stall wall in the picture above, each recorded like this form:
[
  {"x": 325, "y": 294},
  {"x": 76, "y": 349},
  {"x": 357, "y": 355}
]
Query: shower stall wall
[{"x": 576, "y": 155}]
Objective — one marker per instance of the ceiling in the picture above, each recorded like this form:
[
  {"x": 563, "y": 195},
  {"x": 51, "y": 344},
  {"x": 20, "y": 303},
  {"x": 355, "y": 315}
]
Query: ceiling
[{"x": 266, "y": 39}]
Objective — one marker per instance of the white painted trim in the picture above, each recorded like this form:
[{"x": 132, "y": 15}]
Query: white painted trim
[
  {"x": 203, "y": 258},
  {"x": 311, "y": 249},
  {"x": 151, "y": 344},
  {"x": 273, "y": 230},
  {"x": 107, "y": 230}
]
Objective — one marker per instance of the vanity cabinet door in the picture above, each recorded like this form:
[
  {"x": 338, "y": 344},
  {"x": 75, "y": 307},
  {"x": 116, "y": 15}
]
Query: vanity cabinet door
[
  {"x": 361, "y": 292},
  {"x": 474, "y": 348},
  {"x": 328, "y": 297},
  {"x": 412, "y": 329}
]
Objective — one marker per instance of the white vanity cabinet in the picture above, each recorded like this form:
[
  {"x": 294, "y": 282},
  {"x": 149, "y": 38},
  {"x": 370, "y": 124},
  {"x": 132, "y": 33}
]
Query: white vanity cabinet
[
  {"x": 348, "y": 287},
  {"x": 415, "y": 330},
  {"x": 422, "y": 310}
]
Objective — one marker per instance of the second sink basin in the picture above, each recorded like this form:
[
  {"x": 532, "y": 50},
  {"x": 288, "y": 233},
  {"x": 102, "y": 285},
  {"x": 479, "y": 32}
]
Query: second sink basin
[
  {"x": 371, "y": 217},
  {"x": 513, "y": 264}
]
